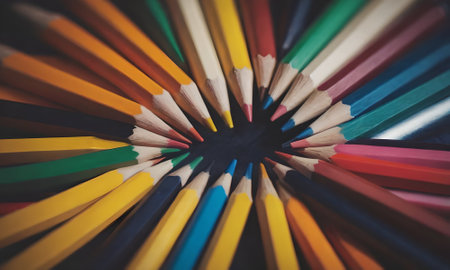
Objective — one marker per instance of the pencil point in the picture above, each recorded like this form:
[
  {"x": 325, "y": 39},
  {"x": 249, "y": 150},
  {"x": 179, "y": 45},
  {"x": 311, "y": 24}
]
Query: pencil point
[
  {"x": 288, "y": 125},
  {"x": 286, "y": 145},
  {"x": 247, "y": 108},
  {"x": 231, "y": 167},
  {"x": 305, "y": 133},
  {"x": 208, "y": 169},
  {"x": 169, "y": 150},
  {"x": 270, "y": 161},
  {"x": 300, "y": 144},
  {"x": 249, "y": 171},
  {"x": 228, "y": 120},
  {"x": 263, "y": 170},
  {"x": 179, "y": 136},
  {"x": 281, "y": 110},
  {"x": 195, "y": 162},
  {"x": 195, "y": 134},
  {"x": 177, "y": 144},
  {"x": 267, "y": 102},
  {"x": 210, "y": 124},
  {"x": 283, "y": 155},
  {"x": 177, "y": 160}
]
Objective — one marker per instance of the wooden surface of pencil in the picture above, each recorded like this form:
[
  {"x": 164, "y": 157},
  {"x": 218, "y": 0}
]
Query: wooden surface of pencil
[
  {"x": 372, "y": 61},
  {"x": 154, "y": 250},
  {"x": 363, "y": 29},
  {"x": 82, "y": 46},
  {"x": 225, "y": 27},
  {"x": 203, "y": 61},
  {"x": 142, "y": 220},
  {"x": 63, "y": 173},
  {"x": 192, "y": 241},
  {"x": 310, "y": 44},
  {"x": 436, "y": 203},
  {"x": 318, "y": 252},
  {"x": 353, "y": 256},
  {"x": 258, "y": 24},
  {"x": 23, "y": 71},
  {"x": 29, "y": 150},
  {"x": 127, "y": 38},
  {"x": 338, "y": 204},
  {"x": 221, "y": 248},
  {"x": 278, "y": 247},
  {"x": 66, "y": 239},
  {"x": 410, "y": 216},
  {"x": 48, "y": 212},
  {"x": 423, "y": 157},
  {"x": 384, "y": 116},
  {"x": 408, "y": 72},
  {"x": 8, "y": 93},
  {"x": 46, "y": 121}
]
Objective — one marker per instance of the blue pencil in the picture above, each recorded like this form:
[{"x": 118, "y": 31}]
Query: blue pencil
[
  {"x": 135, "y": 228},
  {"x": 192, "y": 241},
  {"x": 409, "y": 72}
]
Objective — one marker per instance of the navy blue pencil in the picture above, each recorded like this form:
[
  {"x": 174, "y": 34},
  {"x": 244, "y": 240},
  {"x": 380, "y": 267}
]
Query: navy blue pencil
[{"x": 121, "y": 245}]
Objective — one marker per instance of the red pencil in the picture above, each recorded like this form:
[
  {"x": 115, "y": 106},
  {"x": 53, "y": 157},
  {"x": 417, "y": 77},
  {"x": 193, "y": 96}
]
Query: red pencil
[
  {"x": 419, "y": 223},
  {"x": 372, "y": 61},
  {"x": 258, "y": 24}
]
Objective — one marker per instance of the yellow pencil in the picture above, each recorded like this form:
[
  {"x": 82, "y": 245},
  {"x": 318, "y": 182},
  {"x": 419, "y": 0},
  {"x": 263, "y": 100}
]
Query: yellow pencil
[
  {"x": 155, "y": 249},
  {"x": 29, "y": 150},
  {"x": 226, "y": 30},
  {"x": 277, "y": 240},
  {"x": 315, "y": 247},
  {"x": 222, "y": 247},
  {"x": 66, "y": 239},
  {"x": 44, "y": 214}
]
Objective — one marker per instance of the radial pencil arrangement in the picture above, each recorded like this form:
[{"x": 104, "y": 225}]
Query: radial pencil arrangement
[{"x": 224, "y": 134}]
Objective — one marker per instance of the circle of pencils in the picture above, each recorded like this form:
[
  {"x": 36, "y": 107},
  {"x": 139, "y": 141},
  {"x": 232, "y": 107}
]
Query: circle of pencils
[{"x": 343, "y": 105}]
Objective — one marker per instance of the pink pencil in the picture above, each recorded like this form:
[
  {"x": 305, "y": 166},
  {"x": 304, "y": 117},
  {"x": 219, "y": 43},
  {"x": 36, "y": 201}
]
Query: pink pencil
[{"x": 433, "y": 202}]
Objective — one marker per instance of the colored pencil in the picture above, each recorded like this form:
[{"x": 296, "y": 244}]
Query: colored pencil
[
  {"x": 415, "y": 125},
  {"x": 194, "y": 237},
  {"x": 360, "y": 32},
  {"x": 370, "y": 63},
  {"x": 115, "y": 27},
  {"x": 316, "y": 37},
  {"x": 25, "y": 72},
  {"x": 48, "y": 212},
  {"x": 384, "y": 116},
  {"x": 432, "y": 179},
  {"x": 316, "y": 249},
  {"x": 353, "y": 256},
  {"x": 29, "y": 150},
  {"x": 408, "y": 72},
  {"x": 278, "y": 246},
  {"x": 257, "y": 20},
  {"x": 224, "y": 24},
  {"x": 411, "y": 218},
  {"x": 54, "y": 122},
  {"x": 154, "y": 250},
  {"x": 403, "y": 144},
  {"x": 201, "y": 54},
  {"x": 63, "y": 173},
  {"x": 362, "y": 220},
  {"x": 440, "y": 204},
  {"x": 423, "y": 157},
  {"x": 141, "y": 221},
  {"x": 223, "y": 244},
  {"x": 152, "y": 18},
  {"x": 69, "y": 237},
  {"x": 9, "y": 207},
  {"x": 79, "y": 44},
  {"x": 16, "y": 95}
]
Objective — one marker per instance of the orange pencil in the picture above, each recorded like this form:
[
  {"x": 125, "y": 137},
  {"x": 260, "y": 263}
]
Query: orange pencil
[
  {"x": 82, "y": 46},
  {"x": 126, "y": 37}
]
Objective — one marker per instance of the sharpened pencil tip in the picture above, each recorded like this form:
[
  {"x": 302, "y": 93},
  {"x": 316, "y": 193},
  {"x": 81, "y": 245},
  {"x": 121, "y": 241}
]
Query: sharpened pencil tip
[
  {"x": 300, "y": 144},
  {"x": 228, "y": 119},
  {"x": 249, "y": 171},
  {"x": 267, "y": 102},
  {"x": 178, "y": 136},
  {"x": 305, "y": 133},
  {"x": 248, "y": 111},
  {"x": 196, "y": 135},
  {"x": 288, "y": 125},
  {"x": 286, "y": 145},
  {"x": 177, "y": 144},
  {"x": 177, "y": 160},
  {"x": 208, "y": 169},
  {"x": 263, "y": 171},
  {"x": 270, "y": 161},
  {"x": 169, "y": 150},
  {"x": 209, "y": 122},
  {"x": 231, "y": 167},
  {"x": 283, "y": 155},
  {"x": 281, "y": 110},
  {"x": 195, "y": 162}
]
